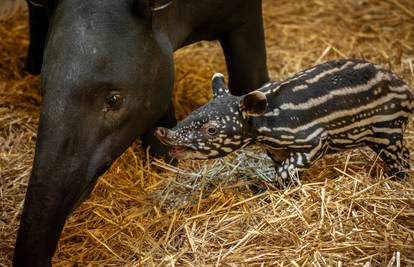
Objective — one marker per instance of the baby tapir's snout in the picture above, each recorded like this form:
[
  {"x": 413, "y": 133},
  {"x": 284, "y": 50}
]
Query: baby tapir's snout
[
  {"x": 164, "y": 135},
  {"x": 170, "y": 138}
]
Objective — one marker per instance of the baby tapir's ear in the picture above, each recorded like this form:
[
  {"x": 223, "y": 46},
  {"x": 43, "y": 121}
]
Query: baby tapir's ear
[
  {"x": 253, "y": 104},
  {"x": 218, "y": 86}
]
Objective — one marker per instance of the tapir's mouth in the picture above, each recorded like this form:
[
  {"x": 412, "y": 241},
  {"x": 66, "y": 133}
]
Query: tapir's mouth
[{"x": 179, "y": 152}]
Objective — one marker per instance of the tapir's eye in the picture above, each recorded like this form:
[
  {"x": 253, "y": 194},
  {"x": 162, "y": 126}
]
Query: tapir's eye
[
  {"x": 212, "y": 130},
  {"x": 114, "y": 101}
]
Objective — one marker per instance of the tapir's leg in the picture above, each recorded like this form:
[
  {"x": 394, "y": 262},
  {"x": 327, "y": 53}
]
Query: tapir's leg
[
  {"x": 245, "y": 52},
  {"x": 39, "y": 24},
  {"x": 157, "y": 149}
]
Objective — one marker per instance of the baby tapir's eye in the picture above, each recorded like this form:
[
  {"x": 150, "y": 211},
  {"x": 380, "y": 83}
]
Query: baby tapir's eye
[
  {"x": 212, "y": 130},
  {"x": 114, "y": 101}
]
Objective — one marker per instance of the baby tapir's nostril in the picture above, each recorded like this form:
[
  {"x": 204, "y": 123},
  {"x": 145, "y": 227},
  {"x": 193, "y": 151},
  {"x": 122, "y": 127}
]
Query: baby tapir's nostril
[
  {"x": 160, "y": 131},
  {"x": 163, "y": 135}
]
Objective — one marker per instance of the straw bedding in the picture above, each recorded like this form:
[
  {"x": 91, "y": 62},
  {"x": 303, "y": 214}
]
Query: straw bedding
[{"x": 225, "y": 212}]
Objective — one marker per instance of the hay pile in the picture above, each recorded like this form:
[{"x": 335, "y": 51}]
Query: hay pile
[{"x": 210, "y": 212}]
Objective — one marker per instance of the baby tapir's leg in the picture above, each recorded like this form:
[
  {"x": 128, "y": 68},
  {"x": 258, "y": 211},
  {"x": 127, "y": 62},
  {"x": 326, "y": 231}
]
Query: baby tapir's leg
[
  {"x": 388, "y": 143},
  {"x": 302, "y": 159},
  {"x": 396, "y": 158},
  {"x": 298, "y": 162},
  {"x": 396, "y": 162}
]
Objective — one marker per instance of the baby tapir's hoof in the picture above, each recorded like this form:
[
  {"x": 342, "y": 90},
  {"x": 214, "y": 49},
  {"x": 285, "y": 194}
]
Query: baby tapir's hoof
[
  {"x": 283, "y": 183},
  {"x": 396, "y": 158}
]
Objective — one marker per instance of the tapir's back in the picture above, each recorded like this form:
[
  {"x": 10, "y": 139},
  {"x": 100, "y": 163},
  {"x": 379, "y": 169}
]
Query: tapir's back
[{"x": 335, "y": 95}]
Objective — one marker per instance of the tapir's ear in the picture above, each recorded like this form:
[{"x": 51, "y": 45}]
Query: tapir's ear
[
  {"x": 253, "y": 104},
  {"x": 146, "y": 8},
  {"x": 218, "y": 86},
  {"x": 48, "y": 5},
  {"x": 38, "y": 3}
]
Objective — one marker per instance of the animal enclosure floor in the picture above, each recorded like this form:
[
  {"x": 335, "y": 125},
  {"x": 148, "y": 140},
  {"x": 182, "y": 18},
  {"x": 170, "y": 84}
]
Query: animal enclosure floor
[{"x": 225, "y": 212}]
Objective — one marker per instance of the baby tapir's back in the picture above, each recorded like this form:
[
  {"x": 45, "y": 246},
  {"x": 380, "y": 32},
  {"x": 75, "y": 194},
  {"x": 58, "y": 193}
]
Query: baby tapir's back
[
  {"x": 345, "y": 100},
  {"x": 334, "y": 106}
]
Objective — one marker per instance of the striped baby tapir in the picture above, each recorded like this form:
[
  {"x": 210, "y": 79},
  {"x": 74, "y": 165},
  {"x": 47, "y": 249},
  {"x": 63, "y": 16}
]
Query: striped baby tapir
[{"x": 330, "y": 107}]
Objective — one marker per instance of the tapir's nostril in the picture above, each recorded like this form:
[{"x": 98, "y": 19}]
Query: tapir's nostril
[{"x": 160, "y": 132}]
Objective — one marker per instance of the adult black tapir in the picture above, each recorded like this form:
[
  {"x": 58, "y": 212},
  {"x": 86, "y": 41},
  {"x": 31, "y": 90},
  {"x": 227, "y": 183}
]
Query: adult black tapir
[{"x": 107, "y": 74}]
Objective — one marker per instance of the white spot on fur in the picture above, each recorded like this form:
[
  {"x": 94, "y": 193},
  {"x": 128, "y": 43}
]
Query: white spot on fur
[{"x": 264, "y": 129}]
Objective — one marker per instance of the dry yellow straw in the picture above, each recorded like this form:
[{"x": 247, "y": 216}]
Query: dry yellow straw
[{"x": 345, "y": 213}]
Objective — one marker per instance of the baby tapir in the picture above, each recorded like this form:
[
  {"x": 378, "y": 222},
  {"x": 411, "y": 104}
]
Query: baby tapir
[{"x": 333, "y": 106}]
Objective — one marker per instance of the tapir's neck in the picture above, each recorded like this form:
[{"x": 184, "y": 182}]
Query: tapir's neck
[{"x": 187, "y": 22}]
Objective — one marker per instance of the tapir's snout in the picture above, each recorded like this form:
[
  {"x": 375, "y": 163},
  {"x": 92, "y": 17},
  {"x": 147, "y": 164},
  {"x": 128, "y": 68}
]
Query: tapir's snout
[{"x": 165, "y": 136}]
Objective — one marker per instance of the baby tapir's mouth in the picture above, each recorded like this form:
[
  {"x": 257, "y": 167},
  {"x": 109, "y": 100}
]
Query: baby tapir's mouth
[
  {"x": 178, "y": 152},
  {"x": 166, "y": 137}
]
